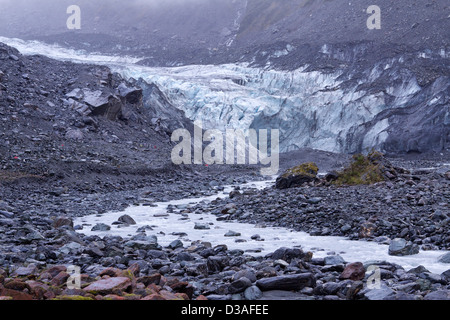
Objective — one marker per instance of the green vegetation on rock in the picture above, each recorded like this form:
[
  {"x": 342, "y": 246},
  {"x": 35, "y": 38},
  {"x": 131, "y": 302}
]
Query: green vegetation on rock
[
  {"x": 363, "y": 170},
  {"x": 309, "y": 169}
]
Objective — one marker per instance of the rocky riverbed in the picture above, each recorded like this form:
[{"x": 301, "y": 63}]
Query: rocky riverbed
[
  {"x": 37, "y": 248},
  {"x": 76, "y": 140}
]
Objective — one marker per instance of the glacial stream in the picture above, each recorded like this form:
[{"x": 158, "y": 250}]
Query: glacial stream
[{"x": 169, "y": 226}]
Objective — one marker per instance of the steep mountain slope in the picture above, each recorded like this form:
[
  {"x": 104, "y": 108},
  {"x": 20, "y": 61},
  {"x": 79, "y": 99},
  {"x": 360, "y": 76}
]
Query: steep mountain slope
[{"x": 310, "y": 68}]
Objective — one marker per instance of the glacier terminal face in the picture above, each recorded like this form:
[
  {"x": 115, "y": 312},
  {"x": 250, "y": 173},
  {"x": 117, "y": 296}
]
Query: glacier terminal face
[
  {"x": 350, "y": 109},
  {"x": 310, "y": 108}
]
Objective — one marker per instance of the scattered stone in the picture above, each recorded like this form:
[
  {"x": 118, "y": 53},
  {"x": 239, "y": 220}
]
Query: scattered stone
[
  {"x": 101, "y": 227},
  {"x": 334, "y": 260},
  {"x": 127, "y": 220},
  {"x": 445, "y": 258},
  {"x": 253, "y": 293},
  {"x": 232, "y": 234},
  {"x": 201, "y": 226}
]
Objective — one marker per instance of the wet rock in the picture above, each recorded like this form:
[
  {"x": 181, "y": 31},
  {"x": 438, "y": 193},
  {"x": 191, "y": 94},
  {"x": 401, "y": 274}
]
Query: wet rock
[
  {"x": 401, "y": 247},
  {"x": 378, "y": 294},
  {"x": 287, "y": 282},
  {"x": 287, "y": 254},
  {"x": 239, "y": 285},
  {"x": 143, "y": 245},
  {"x": 353, "y": 271},
  {"x": 176, "y": 244},
  {"x": 217, "y": 263},
  {"x": 232, "y": 234},
  {"x": 101, "y": 227},
  {"x": 334, "y": 260},
  {"x": 127, "y": 220},
  {"x": 253, "y": 293},
  {"x": 201, "y": 226},
  {"x": 445, "y": 258},
  {"x": 249, "y": 274}
]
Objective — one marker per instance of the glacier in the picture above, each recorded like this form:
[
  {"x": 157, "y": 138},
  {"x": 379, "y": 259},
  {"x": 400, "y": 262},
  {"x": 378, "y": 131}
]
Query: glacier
[{"x": 347, "y": 110}]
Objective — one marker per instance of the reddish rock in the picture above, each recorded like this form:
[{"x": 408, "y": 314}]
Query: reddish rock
[
  {"x": 39, "y": 290},
  {"x": 60, "y": 279},
  {"x": 181, "y": 287},
  {"x": 15, "y": 295},
  {"x": 135, "y": 269},
  {"x": 45, "y": 276},
  {"x": 169, "y": 295},
  {"x": 55, "y": 270},
  {"x": 111, "y": 272},
  {"x": 113, "y": 297},
  {"x": 62, "y": 221},
  {"x": 16, "y": 284},
  {"x": 109, "y": 286},
  {"x": 152, "y": 288},
  {"x": 153, "y": 279},
  {"x": 202, "y": 298},
  {"x": 182, "y": 296},
  {"x": 353, "y": 271},
  {"x": 154, "y": 296}
]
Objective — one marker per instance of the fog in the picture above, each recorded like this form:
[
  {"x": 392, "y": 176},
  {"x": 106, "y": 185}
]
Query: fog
[{"x": 30, "y": 19}]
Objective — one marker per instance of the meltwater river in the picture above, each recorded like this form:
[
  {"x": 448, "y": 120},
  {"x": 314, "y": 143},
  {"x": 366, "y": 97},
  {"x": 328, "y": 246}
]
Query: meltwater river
[{"x": 169, "y": 225}]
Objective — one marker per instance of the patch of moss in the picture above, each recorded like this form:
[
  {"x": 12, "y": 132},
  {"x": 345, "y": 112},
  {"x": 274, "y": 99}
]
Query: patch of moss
[
  {"x": 129, "y": 274},
  {"x": 363, "y": 170},
  {"x": 309, "y": 169}
]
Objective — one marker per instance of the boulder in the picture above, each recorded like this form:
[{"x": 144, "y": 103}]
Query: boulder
[
  {"x": 127, "y": 220},
  {"x": 353, "y": 271},
  {"x": 401, "y": 247},
  {"x": 445, "y": 258},
  {"x": 131, "y": 95},
  {"x": 101, "y": 227},
  {"x": 103, "y": 104},
  {"x": 294, "y": 282},
  {"x": 109, "y": 286},
  {"x": 287, "y": 254},
  {"x": 297, "y": 176}
]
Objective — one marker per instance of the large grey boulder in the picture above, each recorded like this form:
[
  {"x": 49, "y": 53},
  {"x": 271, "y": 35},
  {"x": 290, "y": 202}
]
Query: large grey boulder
[{"x": 401, "y": 247}]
